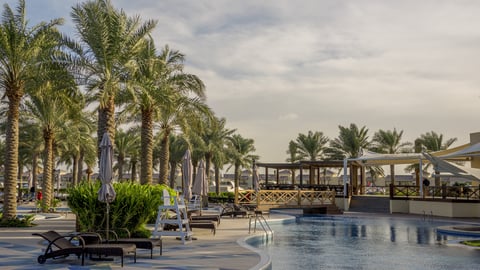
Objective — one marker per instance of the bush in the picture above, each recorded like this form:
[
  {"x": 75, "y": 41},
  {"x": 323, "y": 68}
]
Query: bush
[
  {"x": 26, "y": 221},
  {"x": 133, "y": 207}
]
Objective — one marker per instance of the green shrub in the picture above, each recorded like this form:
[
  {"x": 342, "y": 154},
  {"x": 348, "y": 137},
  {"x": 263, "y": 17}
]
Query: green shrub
[
  {"x": 133, "y": 207},
  {"x": 26, "y": 221}
]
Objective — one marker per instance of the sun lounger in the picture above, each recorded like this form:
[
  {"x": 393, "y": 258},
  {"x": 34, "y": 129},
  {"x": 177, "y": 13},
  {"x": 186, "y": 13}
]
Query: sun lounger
[
  {"x": 142, "y": 243},
  {"x": 215, "y": 218},
  {"x": 204, "y": 224},
  {"x": 195, "y": 224},
  {"x": 62, "y": 245},
  {"x": 234, "y": 210},
  {"x": 107, "y": 250}
]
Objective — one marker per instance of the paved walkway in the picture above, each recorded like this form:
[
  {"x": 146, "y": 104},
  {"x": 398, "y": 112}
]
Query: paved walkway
[{"x": 19, "y": 249}]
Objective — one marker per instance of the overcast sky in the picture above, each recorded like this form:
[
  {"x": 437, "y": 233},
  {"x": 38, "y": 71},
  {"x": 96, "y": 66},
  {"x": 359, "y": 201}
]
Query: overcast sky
[{"x": 275, "y": 69}]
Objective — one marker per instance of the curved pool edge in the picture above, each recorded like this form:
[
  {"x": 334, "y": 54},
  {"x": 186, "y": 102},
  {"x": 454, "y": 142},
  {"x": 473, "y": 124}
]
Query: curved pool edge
[
  {"x": 265, "y": 259},
  {"x": 459, "y": 230}
]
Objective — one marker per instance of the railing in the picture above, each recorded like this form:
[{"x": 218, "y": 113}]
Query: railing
[
  {"x": 275, "y": 198},
  {"x": 441, "y": 192}
]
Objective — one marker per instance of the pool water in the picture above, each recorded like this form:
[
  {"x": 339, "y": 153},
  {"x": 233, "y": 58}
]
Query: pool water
[{"x": 366, "y": 243}]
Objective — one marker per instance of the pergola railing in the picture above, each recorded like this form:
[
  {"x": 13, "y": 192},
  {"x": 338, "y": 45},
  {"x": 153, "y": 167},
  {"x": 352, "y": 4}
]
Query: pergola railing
[
  {"x": 432, "y": 192},
  {"x": 286, "y": 198}
]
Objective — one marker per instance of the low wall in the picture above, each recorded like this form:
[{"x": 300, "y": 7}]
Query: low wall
[
  {"x": 339, "y": 202},
  {"x": 444, "y": 208}
]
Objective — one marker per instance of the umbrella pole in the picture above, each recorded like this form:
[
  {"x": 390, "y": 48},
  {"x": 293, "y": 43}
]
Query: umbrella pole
[{"x": 108, "y": 218}]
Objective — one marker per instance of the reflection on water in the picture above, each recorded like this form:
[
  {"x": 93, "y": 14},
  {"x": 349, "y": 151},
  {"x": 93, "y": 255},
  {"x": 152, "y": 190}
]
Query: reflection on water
[{"x": 360, "y": 243}]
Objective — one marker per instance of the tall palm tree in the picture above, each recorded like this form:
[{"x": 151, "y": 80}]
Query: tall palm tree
[
  {"x": 75, "y": 143},
  {"x": 182, "y": 111},
  {"x": 311, "y": 146},
  {"x": 214, "y": 137},
  {"x": 23, "y": 49},
  {"x": 109, "y": 42},
  {"x": 31, "y": 142},
  {"x": 126, "y": 142},
  {"x": 349, "y": 144},
  {"x": 241, "y": 156},
  {"x": 178, "y": 145},
  {"x": 51, "y": 105},
  {"x": 293, "y": 152},
  {"x": 390, "y": 142}
]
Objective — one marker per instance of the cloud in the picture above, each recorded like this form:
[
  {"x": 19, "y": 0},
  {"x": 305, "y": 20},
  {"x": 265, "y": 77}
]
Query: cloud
[
  {"x": 407, "y": 64},
  {"x": 288, "y": 116}
]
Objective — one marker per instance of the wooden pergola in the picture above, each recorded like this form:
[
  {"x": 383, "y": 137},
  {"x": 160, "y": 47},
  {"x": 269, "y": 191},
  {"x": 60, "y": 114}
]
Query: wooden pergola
[{"x": 313, "y": 167}]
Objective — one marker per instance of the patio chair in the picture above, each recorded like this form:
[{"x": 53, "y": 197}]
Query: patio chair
[
  {"x": 142, "y": 243},
  {"x": 62, "y": 246}
]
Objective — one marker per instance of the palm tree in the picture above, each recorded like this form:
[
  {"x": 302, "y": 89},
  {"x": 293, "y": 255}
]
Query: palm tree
[
  {"x": 76, "y": 144},
  {"x": 125, "y": 144},
  {"x": 431, "y": 142},
  {"x": 23, "y": 49},
  {"x": 31, "y": 142},
  {"x": 178, "y": 145},
  {"x": 214, "y": 137},
  {"x": 311, "y": 146},
  {"x": 240, "y": 155},
  {"x": 349, "y": 144},
  {"x": 109, "y": 42},
  {"x": 293, "y": 152},
  {"x": 389, "y": 142}
]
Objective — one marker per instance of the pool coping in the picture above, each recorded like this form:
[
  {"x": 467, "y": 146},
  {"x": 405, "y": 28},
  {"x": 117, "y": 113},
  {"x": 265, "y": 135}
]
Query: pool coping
[{"x": 265, "y": 259}]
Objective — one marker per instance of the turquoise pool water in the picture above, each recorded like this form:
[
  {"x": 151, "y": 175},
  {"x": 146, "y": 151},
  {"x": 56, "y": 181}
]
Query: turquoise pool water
[{"x": 366, "y": 243}]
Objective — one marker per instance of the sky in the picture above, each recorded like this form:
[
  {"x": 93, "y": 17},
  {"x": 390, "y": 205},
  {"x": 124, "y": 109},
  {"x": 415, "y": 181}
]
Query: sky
[{"x": 278, "y": 68}]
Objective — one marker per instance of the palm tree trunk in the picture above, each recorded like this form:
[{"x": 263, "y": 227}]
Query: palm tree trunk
[
  {"x": 134, "y": 172},
  {"x": 217, "y": 180},
  {"x": 75, "y": 170},
  {"x": 11, "y": 159},
  {"x": 47, "y": 170},
  {"x": 34, "y": 170},
  {"x": 80, "y": 166},
  {"x": 392, "y": 173},
  {"x": 164, "y": 157},
  {"x": 106, "y": 122},
  {"x": 120, "y": 162},
  {"x": 173, "y": 173},
  {"x": 146, "y": 171},
  {"x": 237, "y": 181}
]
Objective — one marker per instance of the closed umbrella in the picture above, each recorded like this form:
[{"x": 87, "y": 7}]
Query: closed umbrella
[
  {"x": 106, "y": 193},
  {"x": 200, "y": 186},
  {"x": 187, "y": 169}
]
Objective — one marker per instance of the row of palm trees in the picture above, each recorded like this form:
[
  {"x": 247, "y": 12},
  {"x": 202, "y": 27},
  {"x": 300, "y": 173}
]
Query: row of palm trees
[
  {"x": 352, "y": 140},
  {"x": 56, "y": 87}
]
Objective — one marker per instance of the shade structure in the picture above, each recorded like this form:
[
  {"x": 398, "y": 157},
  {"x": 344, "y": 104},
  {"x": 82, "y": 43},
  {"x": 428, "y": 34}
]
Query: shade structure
[
  {"x": 255, "y": 178},
  {"x": 106, "y": 193},
  {"x": 441, "y": 165},
  {"x": 187, "y": 170}
]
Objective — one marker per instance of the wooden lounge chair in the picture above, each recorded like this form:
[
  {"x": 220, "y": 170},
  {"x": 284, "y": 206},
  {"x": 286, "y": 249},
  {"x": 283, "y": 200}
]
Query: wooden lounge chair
[
  {"x": 142, "y": 243},
  {"x": 62, "y": 246}
]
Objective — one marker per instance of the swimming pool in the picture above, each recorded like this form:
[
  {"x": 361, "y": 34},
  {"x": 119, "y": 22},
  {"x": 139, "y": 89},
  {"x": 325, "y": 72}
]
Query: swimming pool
[{"x": 366, "y": 243}]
